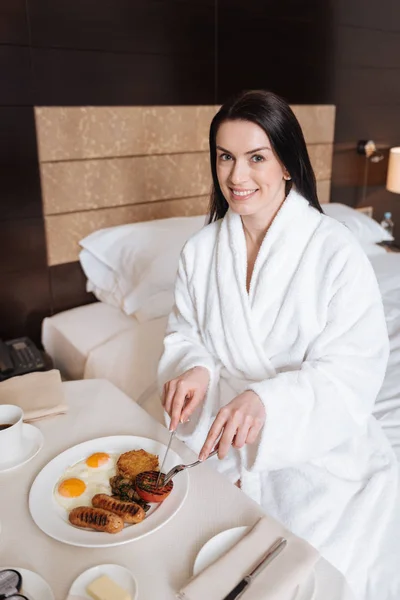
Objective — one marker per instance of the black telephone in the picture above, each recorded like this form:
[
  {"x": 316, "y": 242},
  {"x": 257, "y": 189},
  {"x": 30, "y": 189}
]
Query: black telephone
[{"x": 18, "y": 357}]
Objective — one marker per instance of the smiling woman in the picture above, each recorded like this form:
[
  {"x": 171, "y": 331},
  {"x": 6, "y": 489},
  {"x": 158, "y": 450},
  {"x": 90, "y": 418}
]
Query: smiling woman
[{"x": 275, "y": 355}]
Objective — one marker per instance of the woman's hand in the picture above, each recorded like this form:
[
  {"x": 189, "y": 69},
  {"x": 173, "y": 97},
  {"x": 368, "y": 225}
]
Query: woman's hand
[
  {"x": 240, "y": 422},
  {"x": 185, "y": 392}
]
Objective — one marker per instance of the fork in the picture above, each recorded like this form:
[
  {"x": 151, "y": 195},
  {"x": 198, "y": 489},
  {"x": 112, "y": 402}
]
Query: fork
[{"x": 178, "y": 468}]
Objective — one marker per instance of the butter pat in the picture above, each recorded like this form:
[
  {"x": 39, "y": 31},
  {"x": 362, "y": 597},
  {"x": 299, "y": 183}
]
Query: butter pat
[{"x": 105, "y": 588}]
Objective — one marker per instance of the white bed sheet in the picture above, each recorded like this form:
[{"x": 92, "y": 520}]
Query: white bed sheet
[
  {"x": 70, "y": 336},
  {"x": 130, "y": 360},
  {"x": 387, "y": 406},
  {"x": 100, "y": 341}
]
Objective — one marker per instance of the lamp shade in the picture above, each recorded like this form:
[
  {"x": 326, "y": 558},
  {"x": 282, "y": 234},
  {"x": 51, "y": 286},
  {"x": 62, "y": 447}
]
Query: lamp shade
[{"x": 393, "y": 174}]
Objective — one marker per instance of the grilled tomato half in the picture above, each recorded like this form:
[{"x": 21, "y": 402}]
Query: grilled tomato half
[{"x": 146, "y": 486}]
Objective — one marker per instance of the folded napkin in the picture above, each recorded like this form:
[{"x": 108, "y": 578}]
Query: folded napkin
[
  {"x": 40, "y": 394},
  {"x": 278, "y": 581}
]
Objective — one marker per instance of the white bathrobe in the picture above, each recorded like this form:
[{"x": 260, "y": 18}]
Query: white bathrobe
[{"x": 310, "y": 339}]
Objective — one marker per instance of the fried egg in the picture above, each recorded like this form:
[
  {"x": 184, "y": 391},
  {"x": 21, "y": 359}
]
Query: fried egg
[
  {"x": 80, "y": 482},
  {"x": 72, "y": 492},
  {"x": 100, "y": 461}
]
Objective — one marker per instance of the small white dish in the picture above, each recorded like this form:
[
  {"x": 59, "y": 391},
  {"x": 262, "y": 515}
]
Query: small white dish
[
  {"x": 32, "y": 442},
  {"x": 34, "y": 586},
  {"x": 117, "y": 573},
  {"x": 218, "y": 545}
]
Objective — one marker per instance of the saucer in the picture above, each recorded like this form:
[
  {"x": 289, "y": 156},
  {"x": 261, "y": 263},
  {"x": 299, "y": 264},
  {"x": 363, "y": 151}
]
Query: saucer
[
  {"x": 117, "y": 573},
  {"x": 32, "y": 442},
  {"x": 33, "y": 585},
  {"x": 218, "y": 545}
]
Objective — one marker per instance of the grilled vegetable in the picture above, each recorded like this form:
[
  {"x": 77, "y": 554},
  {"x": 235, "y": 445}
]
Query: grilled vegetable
[
  {"x": 146, "y": 486},
  {"x": 124, "y": 489}
]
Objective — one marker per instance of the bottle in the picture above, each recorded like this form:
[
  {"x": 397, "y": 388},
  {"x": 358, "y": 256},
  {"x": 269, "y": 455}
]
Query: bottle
[{"x": 387, "y": 223}]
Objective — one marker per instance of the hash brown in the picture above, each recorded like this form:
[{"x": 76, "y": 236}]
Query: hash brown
[{"x": 133, "y": 462}]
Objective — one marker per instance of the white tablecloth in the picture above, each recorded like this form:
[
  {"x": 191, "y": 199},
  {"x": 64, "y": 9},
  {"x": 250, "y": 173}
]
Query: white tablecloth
[{"x": 162, "y": 562}]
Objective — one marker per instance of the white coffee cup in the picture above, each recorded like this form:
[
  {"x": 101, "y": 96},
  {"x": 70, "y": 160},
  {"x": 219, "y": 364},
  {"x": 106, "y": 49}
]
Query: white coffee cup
[{"x": 11, "y": 419}]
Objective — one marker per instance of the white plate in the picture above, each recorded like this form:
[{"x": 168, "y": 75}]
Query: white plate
[
  {"x": 32, "y": 442},
  {"x": 218, "y": 545},
  {"x": 119, "y": 574},
  {"x": 34, "y": 587},
  {"x": 53, "y": 519}
]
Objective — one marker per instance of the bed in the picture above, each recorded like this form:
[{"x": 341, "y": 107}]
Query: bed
[
  {"x": 387, "y": 406},
  {"x": 100, "y": 341},
  {"x": 131, "y": 270}
]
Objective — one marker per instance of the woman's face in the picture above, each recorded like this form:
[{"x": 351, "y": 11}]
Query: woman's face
[{"x": 249, "y": 174}]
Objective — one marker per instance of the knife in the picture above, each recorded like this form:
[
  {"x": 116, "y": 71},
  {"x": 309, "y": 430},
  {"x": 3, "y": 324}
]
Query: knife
[
  {"x": 171, "y": 437},
  {"x": 272, "y": 553}
]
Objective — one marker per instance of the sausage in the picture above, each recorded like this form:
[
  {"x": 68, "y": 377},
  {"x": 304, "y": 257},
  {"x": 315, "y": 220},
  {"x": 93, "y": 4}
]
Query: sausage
[
  {"x": 130, "y": 512},
  {"x": 96, "y": 518}
]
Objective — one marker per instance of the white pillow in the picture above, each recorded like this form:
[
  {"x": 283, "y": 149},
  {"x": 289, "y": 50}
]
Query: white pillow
[
  {"x": 373, "y": 249},
  {"x": 129, "y": 264},
  {"x": 101, "y": 280},
  {"x": 365, "y": 229},
  {"x": 157, "y": 306}
]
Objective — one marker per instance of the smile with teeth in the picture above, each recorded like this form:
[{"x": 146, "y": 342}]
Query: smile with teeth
[{"x": 242, "y": 192}]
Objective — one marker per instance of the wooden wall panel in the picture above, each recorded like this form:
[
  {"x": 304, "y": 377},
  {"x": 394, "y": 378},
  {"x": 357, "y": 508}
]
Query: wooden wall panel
[
  {"x": 68, "y": 287},
  {"x": 13, "y": 22},
  {"x": 82, "y": 132},
  {"x": 24, "y": 293},
  {"x": 90, "y": 184},
  {"x": 369, "y": 48},
  {"x": 367, "y": 94},
  {"x": 354, "y": 86},
  {"x": 376, "y": 122},
  {"x": 140, "y": 26},
  {"x": 284, "y": 47},
  {"x": 24, "y": 302},
  {"x": 22, "y": 245},
  {"x": 16, "y": 83},
  {"x": 77, "y": 78},
  {"x": 20, "y": 195},
  {"x": 368, "y": 14}
]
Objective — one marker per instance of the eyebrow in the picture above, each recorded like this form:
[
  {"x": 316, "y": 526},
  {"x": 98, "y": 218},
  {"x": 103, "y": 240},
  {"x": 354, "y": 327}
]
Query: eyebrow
[{"x": 249, "y": 152}]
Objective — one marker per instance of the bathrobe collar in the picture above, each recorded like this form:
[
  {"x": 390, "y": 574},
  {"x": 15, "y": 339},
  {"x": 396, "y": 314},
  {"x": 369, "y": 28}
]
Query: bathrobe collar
[{"x": 289, "y": 232}]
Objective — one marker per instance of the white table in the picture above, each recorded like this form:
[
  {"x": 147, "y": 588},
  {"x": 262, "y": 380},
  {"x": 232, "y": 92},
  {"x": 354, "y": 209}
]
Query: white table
[{"x": 162, "y": 562}]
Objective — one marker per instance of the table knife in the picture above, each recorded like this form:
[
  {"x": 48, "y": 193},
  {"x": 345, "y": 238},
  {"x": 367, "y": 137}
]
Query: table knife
[
  {"x": 171, "y": 437},
  {"x": 272, "y": 553}
]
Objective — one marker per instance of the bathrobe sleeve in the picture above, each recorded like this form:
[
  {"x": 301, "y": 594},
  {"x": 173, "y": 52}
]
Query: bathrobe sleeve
[
  {"x": 183, "y": 346},
  {"x": 183, "y": 350},
  {"x": 327, "y": 401}
]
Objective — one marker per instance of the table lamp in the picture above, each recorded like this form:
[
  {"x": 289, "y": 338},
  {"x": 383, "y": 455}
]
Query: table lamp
[{"x": 393, "y": 174}]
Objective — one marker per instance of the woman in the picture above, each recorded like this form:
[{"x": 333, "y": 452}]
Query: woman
[{"x": 277, "y": 346}]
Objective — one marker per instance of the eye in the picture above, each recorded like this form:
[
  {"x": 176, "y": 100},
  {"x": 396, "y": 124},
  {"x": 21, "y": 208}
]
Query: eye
[
  {"x": 257, "y": 158},
  {"x": 225, "y": 156}
]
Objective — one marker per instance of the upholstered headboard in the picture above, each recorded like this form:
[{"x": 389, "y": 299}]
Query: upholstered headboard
[{"x": 105, "y": 166}]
